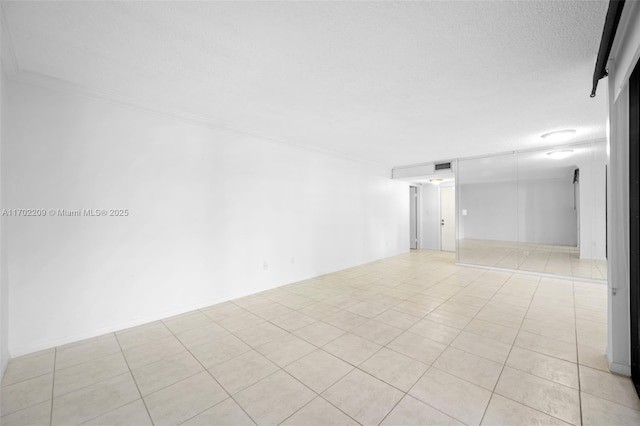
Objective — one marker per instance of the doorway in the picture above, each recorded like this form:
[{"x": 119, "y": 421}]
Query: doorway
[
  {"x": 448, "y": 218},
  {"x": 413, "y": 217}
]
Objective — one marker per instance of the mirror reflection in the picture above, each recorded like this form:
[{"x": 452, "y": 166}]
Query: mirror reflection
[{"x": 541, "y": 211}]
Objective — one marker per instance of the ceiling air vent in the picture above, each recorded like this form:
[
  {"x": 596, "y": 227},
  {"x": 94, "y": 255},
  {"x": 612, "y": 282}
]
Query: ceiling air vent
[{"x": 443, "y": 166}]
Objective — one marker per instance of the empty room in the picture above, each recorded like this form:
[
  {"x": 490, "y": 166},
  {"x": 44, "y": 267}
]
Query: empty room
[{"x": 318, "y": 213}]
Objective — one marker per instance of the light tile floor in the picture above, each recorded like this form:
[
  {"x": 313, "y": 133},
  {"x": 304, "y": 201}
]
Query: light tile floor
[
  {"x": 546, "y": 258},
  {"x": 412, "y": 339}
]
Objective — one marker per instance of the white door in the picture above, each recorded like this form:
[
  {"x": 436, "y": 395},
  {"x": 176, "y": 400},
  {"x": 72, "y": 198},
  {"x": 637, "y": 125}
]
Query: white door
[
  {"x": 413, "y": 217},
  {"x": 448, "y": 218}
]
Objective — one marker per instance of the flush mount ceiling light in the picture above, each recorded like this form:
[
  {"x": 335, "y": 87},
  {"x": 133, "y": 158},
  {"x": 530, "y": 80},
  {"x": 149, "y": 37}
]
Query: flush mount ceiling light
[
  {"x": 436, "y": 181},
  {"x": 559, "y": 135},
  {"x": 560, "y": 154}
]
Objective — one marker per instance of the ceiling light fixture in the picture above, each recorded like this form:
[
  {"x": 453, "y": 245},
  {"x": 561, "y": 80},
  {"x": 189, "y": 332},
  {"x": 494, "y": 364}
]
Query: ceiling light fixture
[
  {"x": 436, "y": 181},
  {"x": 559, "y": 135},
  {"x": 558, "y": 155}
]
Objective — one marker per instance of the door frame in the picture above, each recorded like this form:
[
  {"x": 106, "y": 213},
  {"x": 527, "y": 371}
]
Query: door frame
[{"x": 634, "y": 223}]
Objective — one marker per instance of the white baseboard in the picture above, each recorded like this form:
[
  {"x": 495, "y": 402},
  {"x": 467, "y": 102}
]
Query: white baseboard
[
  {"x": 24, "y": 350},
  {"x": 48, "y": 344}
]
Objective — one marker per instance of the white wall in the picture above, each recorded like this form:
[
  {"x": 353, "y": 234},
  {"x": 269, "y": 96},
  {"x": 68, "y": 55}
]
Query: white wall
[
  {"x": 430, "y": 217},
  {"x": 624, "y": 56},
  {"x": 593, "y": 207},
  {"x": 618, "y": 344},
  {"x": 209, "y": 210}
]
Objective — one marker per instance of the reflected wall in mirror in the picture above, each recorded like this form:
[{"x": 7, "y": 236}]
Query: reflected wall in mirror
[
  {"x": 540, "y": 211},
  {"x": 487, "y": 200}
]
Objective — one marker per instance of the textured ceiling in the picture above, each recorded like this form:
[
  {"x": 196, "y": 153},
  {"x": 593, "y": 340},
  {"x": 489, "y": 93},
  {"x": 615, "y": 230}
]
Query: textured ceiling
[{"x": 385, "y": 82}]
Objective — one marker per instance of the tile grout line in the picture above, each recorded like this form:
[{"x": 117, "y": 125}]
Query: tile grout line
[
  {"x": 24, "y": 380},
  {"x": 449, "y": 345},
  {"x": 255, "y": 348},
  {"x": 386, "y": 345},
  {"x": 210, "y": 374},
  {"x": 102, "y": 381},
  {"x": 53, "y": 384},
  {"x": 87, "y": 362},
  {"x": 512, "y": 345},
  {"x": 112, "y": 376},
  {"x": 527, "y": 406},
  {"x": 55, "y": 350},
  {"x": 493, "y": 391},
  {"x": 406, "y": 393},
  {"x": 318, "y": 395},
  {"x": 505, "y": 361},
  {"x": 342, "y": 329},
  {"x": 97, "y": 383},
  {"x": 575, "y": 319},
  {"x": 357, "y": 367},
  {"x": 269, "y": 375},
  {"x": 407, "y": 330},
  {"x": 134, "y": 381}
]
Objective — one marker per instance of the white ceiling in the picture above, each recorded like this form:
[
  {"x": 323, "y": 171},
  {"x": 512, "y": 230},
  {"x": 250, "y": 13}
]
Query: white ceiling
[{"x": 384, "y": 82}]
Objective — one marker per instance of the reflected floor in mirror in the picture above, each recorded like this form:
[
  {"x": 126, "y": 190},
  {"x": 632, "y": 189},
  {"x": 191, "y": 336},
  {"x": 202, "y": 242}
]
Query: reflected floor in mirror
[{"x": 545, "y": 258}]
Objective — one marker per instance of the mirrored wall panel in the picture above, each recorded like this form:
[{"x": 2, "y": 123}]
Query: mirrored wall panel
[
  {"x": 541, "y": 211},
  {"x": 488, "y": 210}
]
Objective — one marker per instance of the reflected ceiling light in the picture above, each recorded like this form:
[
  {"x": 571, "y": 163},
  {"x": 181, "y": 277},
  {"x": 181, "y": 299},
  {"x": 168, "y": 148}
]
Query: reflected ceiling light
[
  {"x": 559, "y": 135},
  {"x": 436, "y": 181},
  {"x": 560, "y": 154}
]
